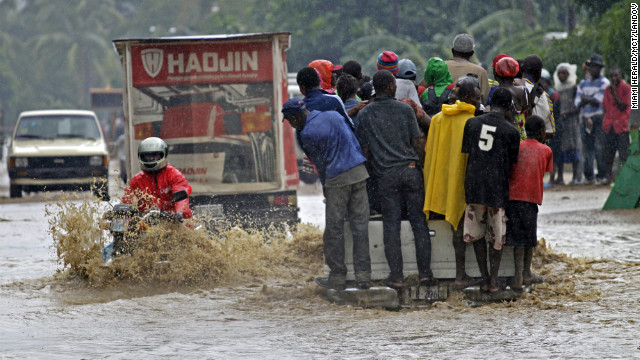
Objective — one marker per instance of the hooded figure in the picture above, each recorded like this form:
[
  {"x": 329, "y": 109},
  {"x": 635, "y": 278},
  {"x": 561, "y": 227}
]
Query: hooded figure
[
  {"x": 439, "y": 79},
  {"x": 325, "y": 70},
  {"x": 569, "y": 121},
  {"x": 571, "y": 80},
  {"x": 437, "y": 75}
]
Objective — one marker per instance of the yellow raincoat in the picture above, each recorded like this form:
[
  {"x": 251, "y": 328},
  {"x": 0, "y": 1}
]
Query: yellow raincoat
[{"x": 445, "y": 164}]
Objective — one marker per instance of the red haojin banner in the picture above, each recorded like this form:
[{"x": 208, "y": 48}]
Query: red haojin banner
[{"x": 240, "y": 62}]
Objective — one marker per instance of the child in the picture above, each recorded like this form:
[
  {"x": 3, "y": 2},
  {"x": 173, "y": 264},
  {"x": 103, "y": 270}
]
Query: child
[
  {"x": 525, "y": 194},
  {"x": 492, "y": 143}
]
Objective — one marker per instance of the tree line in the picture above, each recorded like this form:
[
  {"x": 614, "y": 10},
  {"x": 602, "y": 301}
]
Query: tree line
[{"x": 53, "y": 51}]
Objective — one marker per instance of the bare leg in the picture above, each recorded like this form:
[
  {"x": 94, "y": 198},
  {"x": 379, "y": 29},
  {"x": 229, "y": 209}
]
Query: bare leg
[
  {"x": 480, "y": 248},
  {"x": 494, "y": 256},
  {"x": 460, "y": 248},
  {"x": 518, "y": 260}
]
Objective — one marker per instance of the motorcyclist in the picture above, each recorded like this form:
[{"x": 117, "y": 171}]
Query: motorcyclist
[{"x": 158, "y": 179}]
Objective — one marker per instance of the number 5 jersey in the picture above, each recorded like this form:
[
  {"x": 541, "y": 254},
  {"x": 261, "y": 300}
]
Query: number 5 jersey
[{"x": 492, "y": 144}]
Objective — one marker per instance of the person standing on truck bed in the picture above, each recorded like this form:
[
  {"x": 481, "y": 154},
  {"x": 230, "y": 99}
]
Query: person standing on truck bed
[
  {"x": 155, "y": 185},
  {"x": 390, "y": 139},
  {"x": 492, "y": 144},
  {"x": 329, "y": 142},
  {"x": 444, "y": 168},
  {"x": 317, "y": 99}
]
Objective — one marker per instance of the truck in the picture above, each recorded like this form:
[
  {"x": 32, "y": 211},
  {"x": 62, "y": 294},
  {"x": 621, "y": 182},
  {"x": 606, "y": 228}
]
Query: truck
[{"x": 216, "y": 101}]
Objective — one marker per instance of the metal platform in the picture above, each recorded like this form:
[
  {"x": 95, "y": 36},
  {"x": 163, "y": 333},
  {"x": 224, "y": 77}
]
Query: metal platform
[
  {"x": 413, "y": 296},
  {"x": 443, "y": 262}
]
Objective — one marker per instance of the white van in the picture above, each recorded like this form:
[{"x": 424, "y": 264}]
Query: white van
[{"x": 57, "y": 150}]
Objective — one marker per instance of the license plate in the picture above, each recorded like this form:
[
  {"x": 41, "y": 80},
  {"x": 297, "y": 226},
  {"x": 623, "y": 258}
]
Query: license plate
[
  {"x": 210, "y": 211},
  {"x": 119, "y": 224}
]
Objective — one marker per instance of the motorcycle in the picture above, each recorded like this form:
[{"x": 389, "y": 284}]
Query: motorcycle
[{"x": 126, "y": 224}]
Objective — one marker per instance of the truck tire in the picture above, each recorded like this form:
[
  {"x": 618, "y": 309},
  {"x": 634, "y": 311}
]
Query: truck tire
[{"x": 15, "y": 191}]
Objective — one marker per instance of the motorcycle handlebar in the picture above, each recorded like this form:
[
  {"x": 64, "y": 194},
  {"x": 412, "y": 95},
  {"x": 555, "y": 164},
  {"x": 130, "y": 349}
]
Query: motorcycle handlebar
[{"x": 164, "y": 215}]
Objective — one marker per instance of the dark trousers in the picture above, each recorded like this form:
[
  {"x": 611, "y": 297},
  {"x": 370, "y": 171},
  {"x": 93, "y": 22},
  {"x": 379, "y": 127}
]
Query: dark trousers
[
  {"x": 615, "y": 142},
  {"x": 347, "y": 202},
  {"x": 593, "y": 149},
  {"x": 404, "y": 185}
]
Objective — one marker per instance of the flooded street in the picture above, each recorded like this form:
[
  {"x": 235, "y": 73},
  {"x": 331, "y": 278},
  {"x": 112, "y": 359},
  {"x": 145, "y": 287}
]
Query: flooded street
[{"x": 265, "y": 305}]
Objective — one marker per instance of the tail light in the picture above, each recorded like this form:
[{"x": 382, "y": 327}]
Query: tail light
[{"x": 283, "y": 200}]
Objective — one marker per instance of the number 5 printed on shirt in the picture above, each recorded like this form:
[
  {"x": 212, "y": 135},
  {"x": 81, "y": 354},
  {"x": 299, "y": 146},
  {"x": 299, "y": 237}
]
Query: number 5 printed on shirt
[{"x": 486, "y": 137}]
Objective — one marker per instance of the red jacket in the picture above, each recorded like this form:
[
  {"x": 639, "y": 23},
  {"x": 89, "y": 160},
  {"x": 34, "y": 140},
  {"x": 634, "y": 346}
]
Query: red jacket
[
  {"x": 161, "y": 185},
  {"x": 613, "y": 115}
]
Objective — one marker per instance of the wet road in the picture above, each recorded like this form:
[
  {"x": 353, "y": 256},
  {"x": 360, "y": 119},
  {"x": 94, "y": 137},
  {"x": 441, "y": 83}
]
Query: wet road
[{"x": 588, "y": 308}]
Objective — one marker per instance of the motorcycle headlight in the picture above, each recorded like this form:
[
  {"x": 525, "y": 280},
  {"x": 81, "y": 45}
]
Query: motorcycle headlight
[
  {"x": 96, "y": 160},
  {"x": 21, "y": 162}
]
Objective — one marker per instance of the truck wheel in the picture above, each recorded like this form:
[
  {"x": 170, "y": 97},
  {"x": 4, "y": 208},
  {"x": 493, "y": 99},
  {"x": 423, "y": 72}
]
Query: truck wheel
[{"x": 15, "y": 191}]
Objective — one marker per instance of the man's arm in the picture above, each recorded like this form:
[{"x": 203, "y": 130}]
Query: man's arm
[
  {"x": 415, "y": 142},
  {"x": 414, "y": 133},
  {"x": 179, "y": 182},
  {"x": 424, "y": 122},
  {"x": 599, "y": 96},
  {"x": 578, "y": 100},
  {"x": 483, "y": 80},
  {"x": 339, "y": 107},
  {"x": 619, "y": 103},
  {"x": 356, "y": 109}
]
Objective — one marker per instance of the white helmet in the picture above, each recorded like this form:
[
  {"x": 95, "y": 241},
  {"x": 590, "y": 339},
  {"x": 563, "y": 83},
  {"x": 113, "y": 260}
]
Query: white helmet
[{"x": 152, "y": 154}]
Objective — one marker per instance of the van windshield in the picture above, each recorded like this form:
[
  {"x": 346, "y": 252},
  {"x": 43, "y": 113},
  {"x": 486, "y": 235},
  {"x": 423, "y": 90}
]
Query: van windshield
[{"x": 58, "y": 127}]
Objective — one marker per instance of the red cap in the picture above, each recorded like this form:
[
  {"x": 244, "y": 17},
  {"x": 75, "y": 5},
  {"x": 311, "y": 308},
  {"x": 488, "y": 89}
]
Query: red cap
[
  {"x": 336, "y": 67},
  {"x": 507, "y": 67},
  {"x": 497, "y": 58}
]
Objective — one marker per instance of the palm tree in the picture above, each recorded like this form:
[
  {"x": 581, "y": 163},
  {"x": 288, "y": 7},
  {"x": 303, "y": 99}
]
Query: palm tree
[{"x": 70, "y": 54}]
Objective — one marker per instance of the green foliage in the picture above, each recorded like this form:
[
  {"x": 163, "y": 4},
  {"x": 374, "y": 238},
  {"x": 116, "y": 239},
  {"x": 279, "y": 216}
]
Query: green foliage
[
  {"x": 615, "y": 43},
  {"x": 608, "y": 35},
  {"x": 595, "y": 8},
  {"x": 53, "y": 51}
]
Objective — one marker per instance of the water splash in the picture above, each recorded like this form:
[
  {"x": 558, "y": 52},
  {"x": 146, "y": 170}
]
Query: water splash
[{"x": 175, "y": 255}]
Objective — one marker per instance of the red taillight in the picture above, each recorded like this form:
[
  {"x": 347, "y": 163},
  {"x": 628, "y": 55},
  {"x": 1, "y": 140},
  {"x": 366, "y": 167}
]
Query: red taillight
[{"x": 281, "y": 200}]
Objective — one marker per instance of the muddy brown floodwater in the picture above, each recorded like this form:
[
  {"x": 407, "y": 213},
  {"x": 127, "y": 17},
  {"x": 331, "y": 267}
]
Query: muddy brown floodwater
[{"x": 234, "y": 296}]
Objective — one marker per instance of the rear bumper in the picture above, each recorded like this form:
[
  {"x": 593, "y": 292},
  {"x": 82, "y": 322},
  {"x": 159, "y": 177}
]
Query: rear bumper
[
  {"x": 54, "y": 176},
  {"x": 252, "y": 210}
]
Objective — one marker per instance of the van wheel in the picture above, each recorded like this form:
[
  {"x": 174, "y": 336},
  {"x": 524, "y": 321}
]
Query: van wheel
[{"x": 15, "y": 191}]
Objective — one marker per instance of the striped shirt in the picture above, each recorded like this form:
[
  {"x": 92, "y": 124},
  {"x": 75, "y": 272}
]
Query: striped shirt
[{"x": 595, "y": 90}]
